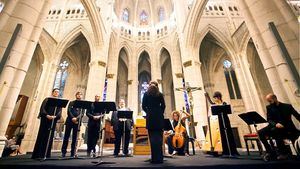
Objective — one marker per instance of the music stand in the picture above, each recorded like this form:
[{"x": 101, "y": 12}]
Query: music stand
[
  {"x": 123, "y": 116},
  {"x": 167, "y": 125},
  {"x": 252, "y": 118},
  {"x": 56, "y": 103},
  {"x": 80, "y": 104},
  {"x": 221, "y": 110},
  {"x": 103, "y": 108}
]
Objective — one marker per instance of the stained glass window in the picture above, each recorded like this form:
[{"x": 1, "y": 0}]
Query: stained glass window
[
  {"x": 161, "y": 14},
  {"x": 231, "y": 80},
  {"x": 143, "y": 18},
  {"x": 144, "y": 89},
  {"x": 125, "y": 15},
  {"x": 227, "y": 64},
  {"x": 1, "y": 6},
  {"x": 61, "y": 77}
]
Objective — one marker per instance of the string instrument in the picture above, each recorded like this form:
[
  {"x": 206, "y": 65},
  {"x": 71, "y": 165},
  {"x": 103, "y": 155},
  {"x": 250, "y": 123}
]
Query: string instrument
[
  {"x": 178, "y": 138},
  {"x": 213, "y": 142}
]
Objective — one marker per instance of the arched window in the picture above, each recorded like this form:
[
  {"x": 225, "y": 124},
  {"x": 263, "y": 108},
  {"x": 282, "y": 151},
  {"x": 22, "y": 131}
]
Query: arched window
[
  {"x": 231, "y": 80},
  {"x": 144, "y": 89},
  {"x": 125, "y": 15},
  {"x": 1, "y": 6},
  {"x": 143, "y": 18},
  {"x": 161, "y": 14},
  {"x": 61, "y": 77}
]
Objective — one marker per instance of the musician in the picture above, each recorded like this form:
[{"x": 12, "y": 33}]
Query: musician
[
  {"x": 47, "y": 115},
  {"x": 72, "y": 124},
  {"x": 93, "y": 128},
  {"x": 217, "y": 100},
  {"x": 154, "y": 105},
  {"x": 118, "y": 127},
  {"x": 280, "y": 126},
  {"x": 180, "y": 151}
]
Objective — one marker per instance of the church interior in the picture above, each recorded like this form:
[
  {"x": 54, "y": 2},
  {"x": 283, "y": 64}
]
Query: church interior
[{"x": 244, "y": 49}]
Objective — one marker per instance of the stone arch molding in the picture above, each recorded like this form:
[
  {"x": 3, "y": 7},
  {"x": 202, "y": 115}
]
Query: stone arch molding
[
  {"x": 219, "y": 36},
  {"x": 95, "y": 20},
  {"x": 141, "y": 50},
  {"x": 244, "y": 43},
  {"x": 161, "y": 47},
  {"x": 47, "y": 44},
  {"x": 64, "y": 44},
  {"x": 124, "y": 45},
  {"x": 193, "y": 21}
]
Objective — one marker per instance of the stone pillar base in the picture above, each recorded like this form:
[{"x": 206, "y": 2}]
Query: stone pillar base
[{"x": 2, "y": 144}]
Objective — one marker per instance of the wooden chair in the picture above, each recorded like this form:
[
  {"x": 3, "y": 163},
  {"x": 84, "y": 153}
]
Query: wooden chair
[{"x": 253, "y": 137}]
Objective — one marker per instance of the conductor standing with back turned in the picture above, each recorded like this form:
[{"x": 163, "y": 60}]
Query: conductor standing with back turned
[{"x": 154, "y": 106}]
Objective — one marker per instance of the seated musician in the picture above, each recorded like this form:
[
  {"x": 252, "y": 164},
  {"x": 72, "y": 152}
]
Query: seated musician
[
  {"x": 184, "y": 149},
  {"x": 217, "y": 100},
  {"x": 280, "y": 127}
]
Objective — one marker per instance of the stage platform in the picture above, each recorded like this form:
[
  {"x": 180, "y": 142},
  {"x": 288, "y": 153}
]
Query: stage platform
[{"x": 199, "y": 160}]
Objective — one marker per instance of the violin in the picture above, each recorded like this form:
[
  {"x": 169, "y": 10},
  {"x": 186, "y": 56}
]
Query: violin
[{"x": 179, "y": 136}]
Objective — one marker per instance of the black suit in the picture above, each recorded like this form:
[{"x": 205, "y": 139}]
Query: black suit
[
  {"x": 280, "y": 113},
  {"x": 118, "y": 127},
  {"x": 93, "y": 129},
  {"x": 45, "y": 125},
  {"x": 154, "y": 106},
  {"x": 71, "y": 126}
]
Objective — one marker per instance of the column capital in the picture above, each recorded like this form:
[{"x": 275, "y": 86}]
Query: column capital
[{"x": 97, "y": 63}]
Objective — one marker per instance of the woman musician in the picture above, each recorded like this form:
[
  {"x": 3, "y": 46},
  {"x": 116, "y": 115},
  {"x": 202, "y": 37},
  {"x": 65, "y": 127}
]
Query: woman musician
[
  {"x": 217, "y": 100},
  {"x": 172, "y": 150}
]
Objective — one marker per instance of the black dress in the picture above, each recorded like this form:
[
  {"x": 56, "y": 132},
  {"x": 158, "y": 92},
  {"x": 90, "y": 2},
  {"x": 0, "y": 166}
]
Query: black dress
[
  {"x": 44, "y": 130},
  {"x": 154, "y": 106},
  {"x": 231, "y": 142},
  {"x": 185, "y": 148}
]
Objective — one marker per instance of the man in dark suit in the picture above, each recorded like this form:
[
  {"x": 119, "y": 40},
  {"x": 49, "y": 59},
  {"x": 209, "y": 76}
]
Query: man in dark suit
[
  {"x": 154, "y": 106},
  {"x": 280, "y": 126},
  {"x": 118, "y": 127},
  {"x": 93, "y": 128},
  {"x": 72, "y": 124},
  {"x": 47, "y": 115}
]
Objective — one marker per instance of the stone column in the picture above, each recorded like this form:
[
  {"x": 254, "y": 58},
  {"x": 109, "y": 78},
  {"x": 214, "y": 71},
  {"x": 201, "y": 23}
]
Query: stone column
[
  {"x": 31, "y": 14},
  {"x": 96, "y": 79},
  {"x": 43, "y": 90},
  {"x": 257, "y": 16},
  {"x": 112, "y": 76},
  {"x": 192, "y": 74},
  {"x": 247, "y": 85},
  {"x": 133, "y": 84},
  {"x": 177, "y": 78}
]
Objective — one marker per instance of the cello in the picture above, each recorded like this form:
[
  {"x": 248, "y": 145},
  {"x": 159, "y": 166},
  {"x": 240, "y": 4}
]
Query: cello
[{"x": 178, "y": 139}]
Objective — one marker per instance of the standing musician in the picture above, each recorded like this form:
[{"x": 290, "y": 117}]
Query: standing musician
[
  {"x": 93, "y": 128},
  {"x": 217, "y": 100},
  {"x": 170, "y": 134},
  {"x": 47, "y": 116},
  {"x": 154, "y": 105},
  {"x": 118, "y": 127},
  {"x": 72, "y": 125}
]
